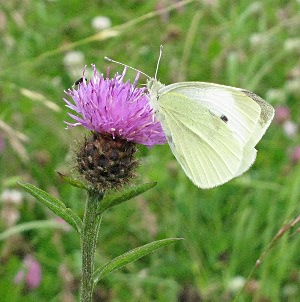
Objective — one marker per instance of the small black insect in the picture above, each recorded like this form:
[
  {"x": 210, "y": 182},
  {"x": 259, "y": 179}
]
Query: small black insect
[
  {"x": 224, "y": 118},
  {"x": 78, "y": 81}
]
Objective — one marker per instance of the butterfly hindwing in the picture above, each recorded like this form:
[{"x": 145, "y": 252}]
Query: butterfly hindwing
[{"x": 201, "y": 142}]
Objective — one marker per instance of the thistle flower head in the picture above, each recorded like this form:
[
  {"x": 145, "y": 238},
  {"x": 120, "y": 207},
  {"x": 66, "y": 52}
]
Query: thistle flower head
[
  {"x": 110, "y": 106},
  {"x": 119, "y": 116}
]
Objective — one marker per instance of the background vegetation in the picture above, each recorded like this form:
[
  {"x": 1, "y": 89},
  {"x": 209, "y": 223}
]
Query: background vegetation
[{"x": 255, "y": 45}]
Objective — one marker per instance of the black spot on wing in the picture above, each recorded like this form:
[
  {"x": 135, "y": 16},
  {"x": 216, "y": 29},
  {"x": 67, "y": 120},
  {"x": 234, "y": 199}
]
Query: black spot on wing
[{"x": 224, "y": 118}]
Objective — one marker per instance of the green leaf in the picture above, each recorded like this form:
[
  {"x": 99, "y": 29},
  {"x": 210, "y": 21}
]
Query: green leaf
[
  {"x": 42, "y": 196},
  {"x": 75, "y": 218},
  {"x": 55, "y": 205},
  {"x": 72, "y": 181},
  {"x": 114, "y": 199},
  {"x": 131, "y": 256}
]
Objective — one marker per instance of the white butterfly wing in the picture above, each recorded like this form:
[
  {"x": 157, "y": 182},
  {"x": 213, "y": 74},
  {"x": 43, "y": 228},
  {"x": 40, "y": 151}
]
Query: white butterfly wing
[
  {"x": 202, "y": 143},
  {"x": 247, "y": 115},
  {"x": 265, "y": 119},
  {"x": 249, "y": 156},
  {"x": 266, "y": 116},
  {"x": 241, "y": 112}
]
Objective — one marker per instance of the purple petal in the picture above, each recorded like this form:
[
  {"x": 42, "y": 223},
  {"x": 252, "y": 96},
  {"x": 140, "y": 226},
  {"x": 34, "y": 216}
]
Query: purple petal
[{"x": 110, "y": 106}]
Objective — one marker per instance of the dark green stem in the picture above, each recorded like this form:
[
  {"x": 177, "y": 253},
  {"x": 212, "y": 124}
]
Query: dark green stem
[{"x": 89, "y": 236}]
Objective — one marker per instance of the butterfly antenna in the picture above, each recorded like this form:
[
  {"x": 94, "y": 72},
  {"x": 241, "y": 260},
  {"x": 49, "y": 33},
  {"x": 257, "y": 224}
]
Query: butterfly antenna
[
  {"x": 113, "y": 61},
  {"x": 158, "y": 61}
]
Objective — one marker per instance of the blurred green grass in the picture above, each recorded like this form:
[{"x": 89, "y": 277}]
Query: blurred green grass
[{"x": 254, "y": 45}]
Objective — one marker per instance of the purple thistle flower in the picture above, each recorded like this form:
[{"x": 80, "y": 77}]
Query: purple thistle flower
[{"x": 110, "y": 106}]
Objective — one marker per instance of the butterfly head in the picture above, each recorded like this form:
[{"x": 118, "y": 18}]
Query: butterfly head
[{"x": 153, "y": 87}]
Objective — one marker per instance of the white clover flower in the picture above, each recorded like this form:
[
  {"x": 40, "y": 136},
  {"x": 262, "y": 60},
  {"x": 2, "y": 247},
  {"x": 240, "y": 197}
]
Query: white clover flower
[
  {"x": 236, "y": 283},
  {"x": 11, "y": 196},
  {"x": 290, "y": 128},
  {"x": 101, "y": 22},
  {"x": 292, "y": 44},
  {"x": 73, "y": 62}
]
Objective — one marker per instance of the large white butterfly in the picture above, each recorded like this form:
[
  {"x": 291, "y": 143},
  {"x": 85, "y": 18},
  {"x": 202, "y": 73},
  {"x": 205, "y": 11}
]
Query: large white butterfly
[{"x": 212, "y": 129}]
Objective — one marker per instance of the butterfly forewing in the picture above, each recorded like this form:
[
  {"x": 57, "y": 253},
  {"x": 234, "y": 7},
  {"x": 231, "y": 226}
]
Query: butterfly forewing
[
  {"x": 240, "y": 111},
  {"x": 266, "y": 116}
]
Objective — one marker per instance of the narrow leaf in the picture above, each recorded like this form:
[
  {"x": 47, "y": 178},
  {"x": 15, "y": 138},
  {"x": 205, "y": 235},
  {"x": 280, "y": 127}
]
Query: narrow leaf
[
  {"x": 72, "y": 181},
  {"x": 75, "y": 217},
  {"x": 69, "y": 219},
  {"x": 114, "y": 199},
  {"x": 52, "y": 203},
  {"x": 42, "y": 196},
  {"x": 131, "y": 256}
]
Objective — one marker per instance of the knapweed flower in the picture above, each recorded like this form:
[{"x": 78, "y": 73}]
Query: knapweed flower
[
  {"x": 282, "y": 114},
  {"x": 110, "y": 106},
  {"x": 295, "y": 156},
  {"x": 30, "y": 274},
  {"x": 119, "y": 116}
]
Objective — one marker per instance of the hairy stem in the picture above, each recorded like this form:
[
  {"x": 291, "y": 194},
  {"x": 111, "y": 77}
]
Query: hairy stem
[{"x": 89, "y": 236}]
